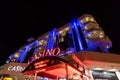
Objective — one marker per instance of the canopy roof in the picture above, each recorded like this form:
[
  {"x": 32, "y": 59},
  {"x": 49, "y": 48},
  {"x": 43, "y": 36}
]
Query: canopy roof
[{"x": 51, "y": 67}]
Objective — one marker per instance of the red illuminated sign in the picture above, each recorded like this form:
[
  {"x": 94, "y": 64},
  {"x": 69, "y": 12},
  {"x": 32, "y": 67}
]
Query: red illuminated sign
[
  {"x": 52, "y": 52},
  {"x": 41, "y": 64}
]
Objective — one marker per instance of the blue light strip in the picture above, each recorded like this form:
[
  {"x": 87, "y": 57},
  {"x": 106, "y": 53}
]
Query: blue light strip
[
  {"x": 37, "y": 43},
  {"x": 78, "y": 36},
  {"x": 82, "y": 36},
  {"x": 23, "y": 54},
  {"x": 50, "y": 43},
  {"x": 73, "y": 39}
]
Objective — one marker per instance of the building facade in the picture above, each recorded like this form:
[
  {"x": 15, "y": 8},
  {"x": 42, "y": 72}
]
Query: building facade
[
  {"x": 81, "y": 43},
  {"x": 83, "y": 34},
  {"x": 99, "y": 66}
]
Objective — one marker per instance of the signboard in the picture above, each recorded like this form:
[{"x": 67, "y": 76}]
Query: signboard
[
  {"x": 41, "y": 64},
  {"x": 16, "y": 68},
  {"x": 52, "y": 52},
  {"x": 103, "y": 75},
  {"x": 13, "y": 68}
]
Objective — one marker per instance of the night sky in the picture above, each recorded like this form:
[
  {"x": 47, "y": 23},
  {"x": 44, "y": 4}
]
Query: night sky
[{"x": 20, "y": 20}]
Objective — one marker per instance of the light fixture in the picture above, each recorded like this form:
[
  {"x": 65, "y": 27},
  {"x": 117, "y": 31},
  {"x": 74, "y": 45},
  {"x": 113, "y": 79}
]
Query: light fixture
[{"x": 16, "y": 55}]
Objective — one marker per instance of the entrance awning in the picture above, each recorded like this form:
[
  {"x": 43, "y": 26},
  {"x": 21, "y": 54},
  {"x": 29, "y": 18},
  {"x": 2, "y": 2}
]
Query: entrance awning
[{"x": 55, "y": 67}]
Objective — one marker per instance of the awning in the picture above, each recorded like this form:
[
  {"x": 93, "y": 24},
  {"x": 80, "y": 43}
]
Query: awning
[{"x": 56, "y": 67}]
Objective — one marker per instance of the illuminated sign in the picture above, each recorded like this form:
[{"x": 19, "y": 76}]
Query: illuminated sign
[
  {"x": 41, "y": 64},
  {"x": 52, "y": 52},
  {"x": 16, "y": 68},
  {"x": 104, "y": 75}
]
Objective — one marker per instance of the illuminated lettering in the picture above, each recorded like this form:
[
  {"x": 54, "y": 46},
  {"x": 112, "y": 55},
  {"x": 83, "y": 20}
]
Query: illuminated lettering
[
  {"x": 49, "y": 52},
  {"x": 9, "y": 68},
  {"x": 43, "y": 53},
  {"x": 56, "y": 52},
  {"x": 39, "y": 55},
  {"x": 35, "y": 56},
  {"x": 16, "y": 68},
  {"x": 52, "y": 52},
  {"x": 41, "y": 64}
]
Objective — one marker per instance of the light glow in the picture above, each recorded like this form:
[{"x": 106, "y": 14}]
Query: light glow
[
  {"x": 78, "y": 36},
  {"x": 52, "y": 52}
]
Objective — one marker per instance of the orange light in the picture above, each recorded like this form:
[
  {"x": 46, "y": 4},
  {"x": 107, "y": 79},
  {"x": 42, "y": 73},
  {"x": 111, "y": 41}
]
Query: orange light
[
  {"x": 41, "y": 65},
  {"x": 41, "y": 62},
  {"x": 40, "y": 70}
]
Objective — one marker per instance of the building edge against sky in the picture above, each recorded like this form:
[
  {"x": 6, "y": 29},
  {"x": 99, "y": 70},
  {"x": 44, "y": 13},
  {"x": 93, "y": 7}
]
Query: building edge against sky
[
  {"x": 82, "y": 34},
  {"x": 81, "y": 43}
]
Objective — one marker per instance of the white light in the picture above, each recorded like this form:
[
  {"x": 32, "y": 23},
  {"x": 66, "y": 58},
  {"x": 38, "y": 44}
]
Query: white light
[
  {"x": 91, "y": 19},
  {"x": 40, "y": 43},
  {"x": 66, "y": 29},
  {"x": 7, "y": 61},
  {"x": 98, "y": 69},
  {"x": 16, "y": 55},
  {"x": 89, "y": 35},
  {"x": 112, "y": 70},
  {"x": 61, "y": 31},
  {"x": 104, "y": 72},
  {"x": 81, "y": 21},
  {"x": 86, "y": 27},
  {"x": 87, "y": 19},
  {"x": 101, "y": 36},
  {"x": 107, "y": 46},
  {"x": 101, "y": 32}
]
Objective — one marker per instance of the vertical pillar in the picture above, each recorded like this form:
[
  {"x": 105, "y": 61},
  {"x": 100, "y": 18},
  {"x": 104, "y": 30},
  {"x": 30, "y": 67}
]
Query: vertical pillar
[
  {"x": 35, "y": 77},
  {"x": 66, "y": 69}
]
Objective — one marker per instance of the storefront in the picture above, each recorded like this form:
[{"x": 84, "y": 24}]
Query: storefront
[
  {"x": 99, "y": 66},
  {"x": 85, "y": 65},
  {"x": 53, "y": 68}
]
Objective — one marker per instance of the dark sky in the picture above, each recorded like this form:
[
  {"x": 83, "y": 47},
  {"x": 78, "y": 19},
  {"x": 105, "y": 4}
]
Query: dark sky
[{"x": 20, "y": 20}]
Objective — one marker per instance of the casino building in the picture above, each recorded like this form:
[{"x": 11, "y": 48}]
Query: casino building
[{"x": 78, "y": 50}]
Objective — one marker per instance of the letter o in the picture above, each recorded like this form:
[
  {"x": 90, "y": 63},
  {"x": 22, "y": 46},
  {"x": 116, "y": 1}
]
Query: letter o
[{"x": 54, "y": 51}]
